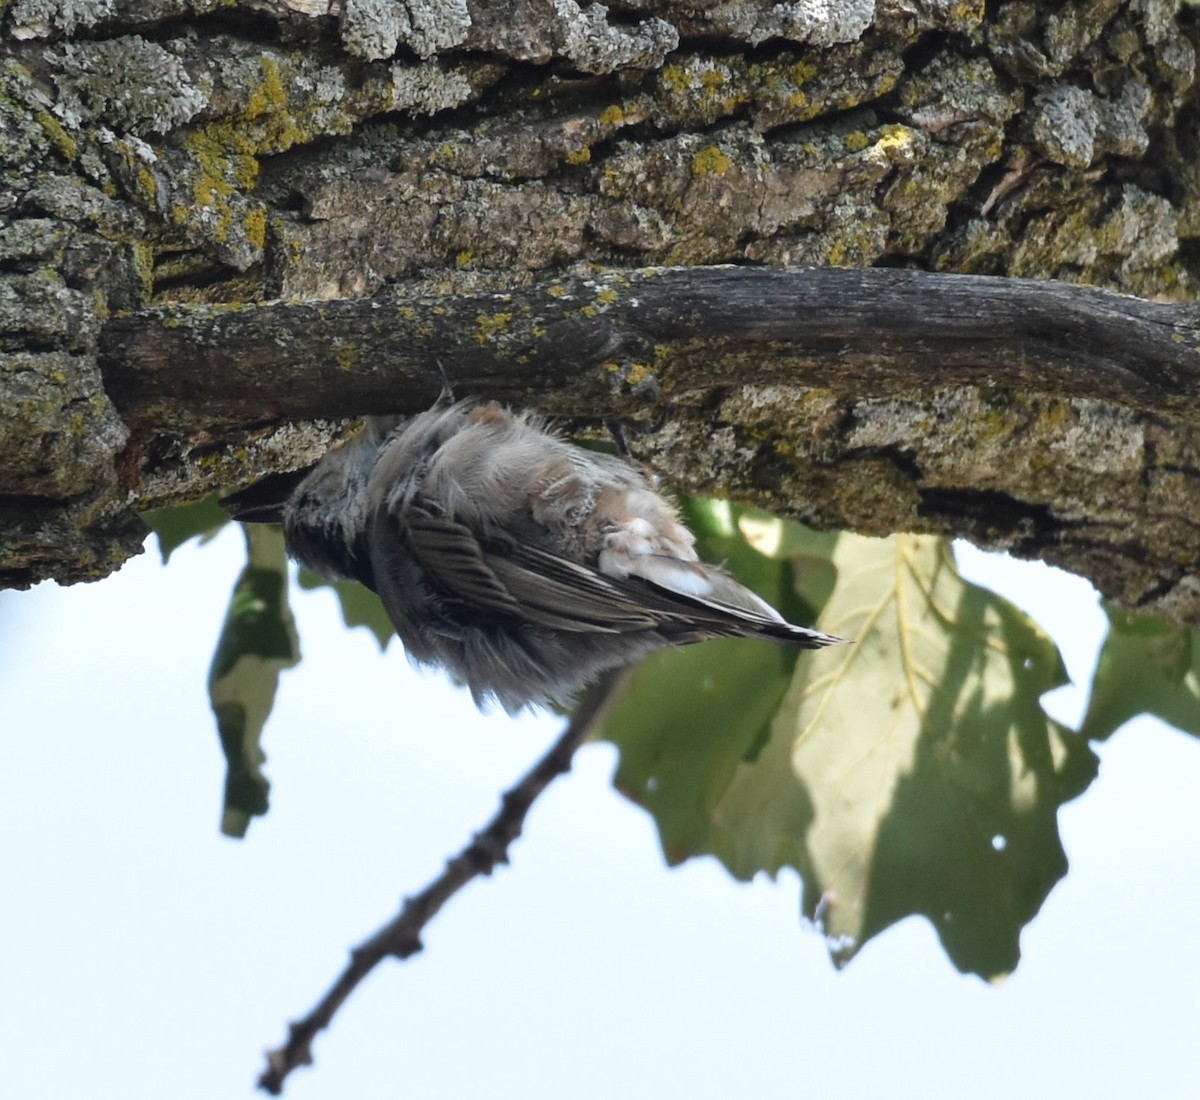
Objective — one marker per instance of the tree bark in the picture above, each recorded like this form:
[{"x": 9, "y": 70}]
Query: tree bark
[{"x": 226, "y": 224}]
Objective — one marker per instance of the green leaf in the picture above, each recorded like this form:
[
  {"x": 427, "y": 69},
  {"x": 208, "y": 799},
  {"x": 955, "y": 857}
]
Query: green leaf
[
  {"x": 360, "y": 606},
  {"x": 258, "y": 641},
  {"x": 1145, "y": 666},
  {"x": 765, "y": 553},
  {"x": 175, "y": 526},
  {"x": 911, "y": 772},
  {"x": 689, "y": 720},
  {"x": 691, "y": 716}
]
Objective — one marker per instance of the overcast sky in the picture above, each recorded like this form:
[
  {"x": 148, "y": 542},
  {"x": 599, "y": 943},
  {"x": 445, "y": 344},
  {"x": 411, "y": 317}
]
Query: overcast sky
[{"x": 144, "y": 955}]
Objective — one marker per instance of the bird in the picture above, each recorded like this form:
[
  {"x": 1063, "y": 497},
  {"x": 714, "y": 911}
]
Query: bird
[{"x": 519, "y": 562}]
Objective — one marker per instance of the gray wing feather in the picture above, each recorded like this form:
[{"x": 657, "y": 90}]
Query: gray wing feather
[
  {"x": 525, "y": 583},
  {"x": 506, "y": 579}
]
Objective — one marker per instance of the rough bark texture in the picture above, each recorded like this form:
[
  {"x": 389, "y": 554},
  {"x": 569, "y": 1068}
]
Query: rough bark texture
[{"x": 171, "y": 168}]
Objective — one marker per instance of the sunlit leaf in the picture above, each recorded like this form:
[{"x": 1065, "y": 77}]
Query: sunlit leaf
[
  {"x": 360, "y": 606},
  {"x": 691, "y": 716},
  {"x": 765, "y": 553},
  {"x": 690, "y": 719},
  {"x": 258, "y": 641},
  {"x": 175, "y": 526},
  {"x": 911, "y": 772},
  {"x": 1146, "y": 666}
]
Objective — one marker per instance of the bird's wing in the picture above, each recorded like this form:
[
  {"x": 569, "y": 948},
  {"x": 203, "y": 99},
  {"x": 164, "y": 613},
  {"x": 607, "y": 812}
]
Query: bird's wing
[
  {"x": 524, "y": 582},
  {"x": 504, "y": 578}
]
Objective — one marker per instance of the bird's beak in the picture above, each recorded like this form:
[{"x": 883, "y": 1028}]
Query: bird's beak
[{"x": 263, "y": 501}]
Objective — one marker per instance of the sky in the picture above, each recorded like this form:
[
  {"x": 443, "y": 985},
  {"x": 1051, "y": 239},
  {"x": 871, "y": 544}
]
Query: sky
[{"x": 143, "y": 955}]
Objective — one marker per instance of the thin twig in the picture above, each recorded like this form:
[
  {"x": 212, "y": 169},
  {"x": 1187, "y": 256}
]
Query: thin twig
[{"x": 401, "y": 936}]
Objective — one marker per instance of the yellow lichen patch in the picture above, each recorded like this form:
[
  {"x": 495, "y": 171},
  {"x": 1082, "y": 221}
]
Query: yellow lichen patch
[
  {"x": 62, "y": 141},
  {"x": 462, "y": 260},
  {"x": 147, "y": 183},
  {"x": 612, "y": 115},
  {"x": 205, "y": 190},
  {"x": 274, "y": 127},
  {"x": 579, "y": 156},
  {"x": 219, "y": 155},
  {"x": 856, "y": 141},
  {"x": 209, "y": 196},
  {"x": 557, "y": 290},
  {"x": 489, "y": 325},
  {"x": 269, "y": 95},
  {"x": 607, "y": 297},
  {"x": 255, "y": 224},
  {"x": 143, "y": 266},
  {"x": 676, "y": 78},
  {"x": 801, "y": 72},
  {"x": 895, "y": 136},
  {"x": 344, "y": 355},
  {"x": 711, "y": 161},
  {"x": 637, "y": 374},
  {"x": 970, "y": 12},
  {"x": 711, "y": 80}
]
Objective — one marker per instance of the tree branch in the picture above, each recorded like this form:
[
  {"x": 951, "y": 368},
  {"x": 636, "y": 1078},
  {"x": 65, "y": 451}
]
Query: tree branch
[
  {"x": 873, "y": 331},
  {"x": 1054, "y": 421},
  {"x": 401, "y": 937}
]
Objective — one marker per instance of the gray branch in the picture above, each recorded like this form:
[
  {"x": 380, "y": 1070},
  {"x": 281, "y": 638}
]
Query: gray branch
[
  {"x": 597, "y": 346},
  {"x": 1054, "y": 421},
  {"x": 400, "y": 938}
]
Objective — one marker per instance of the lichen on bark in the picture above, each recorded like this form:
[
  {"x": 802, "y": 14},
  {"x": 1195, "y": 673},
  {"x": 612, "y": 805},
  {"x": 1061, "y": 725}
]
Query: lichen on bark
[{"x": 221, "y": 152}]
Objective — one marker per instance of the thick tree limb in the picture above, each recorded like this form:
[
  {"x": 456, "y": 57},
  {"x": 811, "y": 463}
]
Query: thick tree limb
[
  {"x": 1055, "y": 421},
  {"x": 873, "y": 332},
  {"x": 291, "y": 157}
]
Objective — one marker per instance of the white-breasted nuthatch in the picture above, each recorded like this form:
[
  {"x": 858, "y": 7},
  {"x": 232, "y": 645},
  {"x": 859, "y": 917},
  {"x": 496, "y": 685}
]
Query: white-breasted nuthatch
[{"x": 523, "y": 564}]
